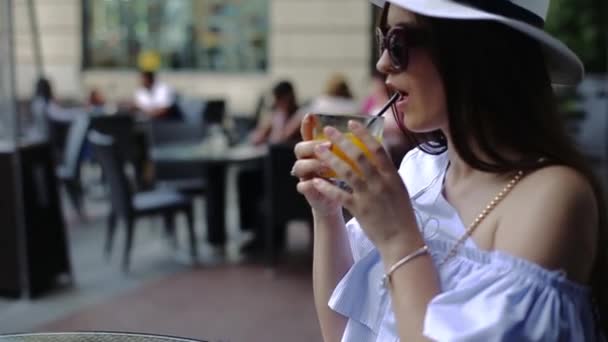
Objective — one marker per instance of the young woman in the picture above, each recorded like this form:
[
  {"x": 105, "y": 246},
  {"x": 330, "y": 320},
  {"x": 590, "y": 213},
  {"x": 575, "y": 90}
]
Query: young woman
[
  {"x": 272, "y": 129},
  {"x": 493, "y": 228}
]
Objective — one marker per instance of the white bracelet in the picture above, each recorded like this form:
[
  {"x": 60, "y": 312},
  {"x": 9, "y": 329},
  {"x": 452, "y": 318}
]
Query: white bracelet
[{"x": 387, "y": 277}]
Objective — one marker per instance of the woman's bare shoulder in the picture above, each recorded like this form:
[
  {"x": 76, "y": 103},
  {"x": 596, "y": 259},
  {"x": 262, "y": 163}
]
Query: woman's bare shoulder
[{"x": 551, "y": 218}]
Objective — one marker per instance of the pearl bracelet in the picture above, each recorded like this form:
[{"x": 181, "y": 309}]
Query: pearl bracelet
[{"x": 387, "y": 277}]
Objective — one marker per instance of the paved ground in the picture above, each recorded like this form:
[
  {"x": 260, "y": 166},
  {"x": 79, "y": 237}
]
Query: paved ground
[{"x": 101, "y": 289}]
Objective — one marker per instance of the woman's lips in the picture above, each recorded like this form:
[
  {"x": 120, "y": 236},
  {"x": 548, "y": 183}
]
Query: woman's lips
[{"x": 403, "y": 100}]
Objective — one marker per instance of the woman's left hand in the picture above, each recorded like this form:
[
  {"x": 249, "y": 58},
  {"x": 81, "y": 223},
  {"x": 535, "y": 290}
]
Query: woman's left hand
[{"x": 379, "y": 199}]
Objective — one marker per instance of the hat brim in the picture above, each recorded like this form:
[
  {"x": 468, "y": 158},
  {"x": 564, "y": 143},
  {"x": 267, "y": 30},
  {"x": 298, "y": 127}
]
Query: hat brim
[{"x": 563, "y": 64}]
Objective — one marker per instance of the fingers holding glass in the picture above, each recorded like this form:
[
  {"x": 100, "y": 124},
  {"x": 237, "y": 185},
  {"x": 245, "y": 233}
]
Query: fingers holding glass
[
  {"x": 309, "y": 168},
  {"x": 306, "y": 127},
  {"x": 332, "y": 192},
  {"x": 375, "y": 151},
  {"x": 341, "y": 170},
  {"x": 353, "y": 151},
  {"x": 306, "y": 149}
]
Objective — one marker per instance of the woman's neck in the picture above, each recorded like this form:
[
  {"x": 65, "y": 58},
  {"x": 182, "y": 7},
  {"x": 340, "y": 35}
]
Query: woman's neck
[
  {"x": 458, "y": 167},
  {"x": 460, "y": 170}
]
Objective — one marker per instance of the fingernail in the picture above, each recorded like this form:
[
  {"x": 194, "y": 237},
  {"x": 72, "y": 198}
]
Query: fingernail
[
  {"x": 322, "y": 148},
  {"x": 352, "y": 124},
  {"x": 293, "y": 172},
  {"x": 330, "y": 131}
]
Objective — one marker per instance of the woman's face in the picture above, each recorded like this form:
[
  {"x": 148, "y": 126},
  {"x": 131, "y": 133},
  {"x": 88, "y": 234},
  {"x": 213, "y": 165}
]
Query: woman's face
[
  {"x": 422, "y": 104},
  {"x": 281, "y": 103}
]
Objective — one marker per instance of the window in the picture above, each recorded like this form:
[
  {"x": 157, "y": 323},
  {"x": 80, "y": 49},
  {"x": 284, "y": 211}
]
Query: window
[{"x": 214, "y": 35}]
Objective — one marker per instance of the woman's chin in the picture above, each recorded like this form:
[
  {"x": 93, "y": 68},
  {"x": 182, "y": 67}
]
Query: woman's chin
[{"x": 418, "y": 126}]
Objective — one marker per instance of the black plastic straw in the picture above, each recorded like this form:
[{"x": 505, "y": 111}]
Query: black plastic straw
[{"x": 381, "y": 112}]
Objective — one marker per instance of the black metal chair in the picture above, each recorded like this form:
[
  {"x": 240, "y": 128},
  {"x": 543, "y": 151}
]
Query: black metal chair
[
  {"x": 58, "y": 134},
  {"x": 128, "y": 206},
  {"x": 189, "y": 181},
  {"x": 214, "y": 113},
  {"x": 121, "y": 127},
  {"x": 191, "y": 108},
  {"x": 69, "y": 170},
  {"x": 283, "y": 203}
]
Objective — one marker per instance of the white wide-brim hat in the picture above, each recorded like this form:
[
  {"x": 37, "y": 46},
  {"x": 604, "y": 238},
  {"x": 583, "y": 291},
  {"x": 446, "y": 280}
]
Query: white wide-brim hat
[{"x": 526, "y": 16}]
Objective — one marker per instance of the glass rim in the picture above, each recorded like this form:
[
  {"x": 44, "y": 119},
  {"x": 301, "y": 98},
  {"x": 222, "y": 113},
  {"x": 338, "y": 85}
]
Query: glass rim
[{"x": 354, "y": 116}]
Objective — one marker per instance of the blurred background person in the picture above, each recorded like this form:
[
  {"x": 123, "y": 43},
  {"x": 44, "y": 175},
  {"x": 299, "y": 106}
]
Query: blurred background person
[
  {"x": 394, "y": 139},
  {"x": 336, "y": 99},
  {"x": 270, "y": 130},
  {"x": 96, "y": 101},
  {"x": 377, "y": 96},
  {"x": 45, "y": 105},
  {"x": 155, "y": 99}
]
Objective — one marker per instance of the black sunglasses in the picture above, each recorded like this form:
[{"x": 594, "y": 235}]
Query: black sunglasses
[{"x": 398, "y": 41}]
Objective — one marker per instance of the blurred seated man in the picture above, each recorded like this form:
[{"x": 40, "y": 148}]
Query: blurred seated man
[
  {"x": 97, "y": 102},
  {"x": 270, "y": 130},
  {"x": 156, "y": 99}
]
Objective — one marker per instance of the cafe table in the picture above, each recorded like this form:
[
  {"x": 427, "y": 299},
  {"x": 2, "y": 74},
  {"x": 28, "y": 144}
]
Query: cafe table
[
  {"x": 92, "y": 337},
  {"x": 214, "y": 159}
]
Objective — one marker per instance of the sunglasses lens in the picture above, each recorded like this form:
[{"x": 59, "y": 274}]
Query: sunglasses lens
[
  {"x": 397, "y": 49},
  {"x": 398, "y": 42}
]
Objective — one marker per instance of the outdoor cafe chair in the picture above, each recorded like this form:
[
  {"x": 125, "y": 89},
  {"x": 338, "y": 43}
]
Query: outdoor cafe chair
[{"x": 128, "y": 206}]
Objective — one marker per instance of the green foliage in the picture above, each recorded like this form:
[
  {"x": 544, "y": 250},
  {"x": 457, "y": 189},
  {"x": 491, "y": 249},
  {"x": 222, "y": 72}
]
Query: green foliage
[{"x": 583, "y": 26}]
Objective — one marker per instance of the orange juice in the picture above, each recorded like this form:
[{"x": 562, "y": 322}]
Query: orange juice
[{"x": 338, "y": 152}]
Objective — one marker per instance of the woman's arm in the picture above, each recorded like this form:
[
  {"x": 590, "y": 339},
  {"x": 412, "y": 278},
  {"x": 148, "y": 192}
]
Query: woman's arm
[
  {"x": 332, "y": 256},
  {"x": 259, "y": 135},
  {"x": 293, "y": 125},
  {"x": 331, "y": 260},
  {"x": 412, "y": 286},
  {"x": 381, "y": 204}
]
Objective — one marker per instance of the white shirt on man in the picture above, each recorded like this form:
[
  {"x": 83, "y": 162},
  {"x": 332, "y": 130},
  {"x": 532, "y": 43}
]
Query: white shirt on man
[{"x": 157, "y": 97}]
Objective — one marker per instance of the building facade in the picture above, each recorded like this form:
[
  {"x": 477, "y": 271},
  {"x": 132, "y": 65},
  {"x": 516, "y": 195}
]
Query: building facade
[{"x": 307, "y": 42}]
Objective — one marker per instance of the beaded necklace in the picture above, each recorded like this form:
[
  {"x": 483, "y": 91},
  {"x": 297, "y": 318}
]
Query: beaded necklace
[{"x": 495, "y": 201}]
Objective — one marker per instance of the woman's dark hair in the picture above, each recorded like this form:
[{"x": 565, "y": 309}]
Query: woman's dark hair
[
  {"x": 284, "y": 90},
  {"x": 499, "y": 97},
  {"x": 44, "y": 90}
]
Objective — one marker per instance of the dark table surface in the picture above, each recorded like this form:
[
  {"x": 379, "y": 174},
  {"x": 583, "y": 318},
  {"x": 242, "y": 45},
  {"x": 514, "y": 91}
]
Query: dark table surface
[
  {"x": 215, "y": 160},
  {"x": 205, "y": 152}
]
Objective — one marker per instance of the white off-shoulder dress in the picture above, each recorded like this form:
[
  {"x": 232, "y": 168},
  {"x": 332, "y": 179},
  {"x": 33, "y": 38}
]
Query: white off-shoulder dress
[{"x": 485, "y": 296}]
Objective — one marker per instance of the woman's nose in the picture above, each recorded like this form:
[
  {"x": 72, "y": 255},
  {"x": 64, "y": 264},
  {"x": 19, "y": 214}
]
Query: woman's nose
[{"x": 384, "y": 63}]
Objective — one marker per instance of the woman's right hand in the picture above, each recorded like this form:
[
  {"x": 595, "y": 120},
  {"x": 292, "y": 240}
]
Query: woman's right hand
[{"x": 307, "y": 167}]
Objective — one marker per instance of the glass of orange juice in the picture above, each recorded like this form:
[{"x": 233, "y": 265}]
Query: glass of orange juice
[{"x": 374, "y": 125}]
